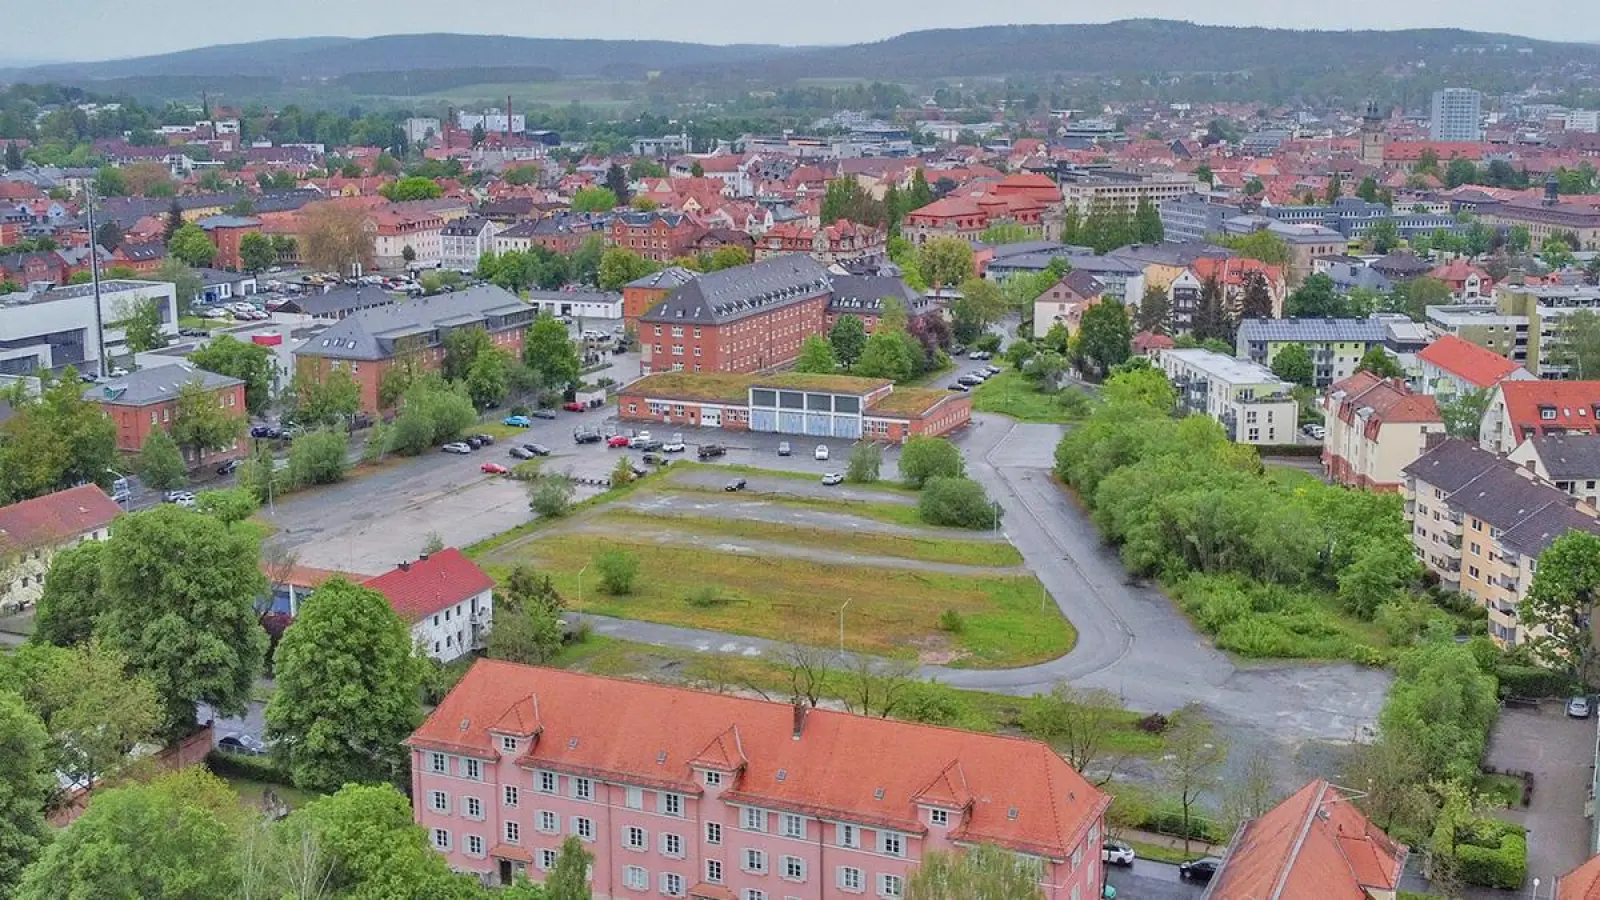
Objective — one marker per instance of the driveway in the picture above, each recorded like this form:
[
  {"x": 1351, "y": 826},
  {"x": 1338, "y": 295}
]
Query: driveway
[{"x": 1560, "y": 753}]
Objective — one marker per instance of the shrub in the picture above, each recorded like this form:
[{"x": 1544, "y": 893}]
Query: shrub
[
  {"x": 708, "y": 597},
  {"x": 617, "y": 569},
  {"x": 923, "y": 458},
  {"x": 1532, "y": 681},
  {"x": 255, "y": 768},
  {"x": 951, "y": 621},
  {"x": 1155, "y": 723},
  {"x": 622, "y": 472},
  {"x": 1496, "y": 857},
  {"x": 319, "y": 457},
  {"x": 934, "y": 704},
  {"x": 957, "y": 502},
  {"x": 866, "y": 461},
  {"x": 551, "y": 495}
]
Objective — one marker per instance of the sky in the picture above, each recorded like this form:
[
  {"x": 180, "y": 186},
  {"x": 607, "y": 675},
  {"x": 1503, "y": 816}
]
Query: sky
[{"x": 103, "y": 29}]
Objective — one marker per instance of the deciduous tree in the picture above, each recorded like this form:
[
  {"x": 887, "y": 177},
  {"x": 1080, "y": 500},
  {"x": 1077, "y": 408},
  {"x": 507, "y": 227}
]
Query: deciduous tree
[
  {"x": 160, "y": 463},
  {"x": 549, "y": 353},
  {"x": 886, "y": 355},
  {"x": 1154, "y": 309},
  {"x": 1194, "y": 757},
  {"x": 866, "y": 461},
  {"x": 594, "y": 200},
  {"x": 379, "y": 852},
  {"x": 26, "y": 783},
  {"x": 412, "y": 188},
  {"x": 191, "y": 245},
  {"x": 71, "y": 601},
  {"x": 1075, "y": 722},
  {"x": 1104, "y": 337},
  {"x": 816, "y": 356},
  {"x": 1379, "y": 363},
  {"x": 618, "y": 266},
  {"x": 848, "y": 338},
  {"x": 925, "y": 457},
  {"x": 1293, "y": 363},
  {"x": 347, "y": 683},
  {"x": 944, "y": 261},
  {"x": 1562, "y": 599},
  {"x": 54, "y": 440},
  {"x": 141, "y": 326},
  {"x": 256, "y": 252},
  {"x": 200, "y": 423},
  {"x": 983, "y": 870},
  {"x": 1463, "y": 413},
  {"x": 245, "y": 360},
  {"x": 334, "y": 238}
]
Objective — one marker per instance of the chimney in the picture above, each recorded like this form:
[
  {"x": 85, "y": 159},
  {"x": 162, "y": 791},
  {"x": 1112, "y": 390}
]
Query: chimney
[
  {"x": 508, "y": 119},
  {"x": 799, "y": 719},
  {"x": 405, "y": 567},
  {"x": 422, "y": 558}
]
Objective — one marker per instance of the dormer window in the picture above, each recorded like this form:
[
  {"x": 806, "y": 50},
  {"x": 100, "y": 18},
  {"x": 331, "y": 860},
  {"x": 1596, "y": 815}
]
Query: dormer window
[
  {"x": 939, "y": 817},
  {"x": 713, "y": 779},
  {"x": 1547, "y": 413},
  {"x": 508, "y": 744}
]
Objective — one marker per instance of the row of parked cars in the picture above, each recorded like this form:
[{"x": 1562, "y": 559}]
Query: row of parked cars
[{"x": 974, "y": 378}]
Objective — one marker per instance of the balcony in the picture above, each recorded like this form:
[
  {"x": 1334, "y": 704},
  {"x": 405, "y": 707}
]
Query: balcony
[
  {"x": 1454, "y": 541},
  {"x": 1508, "y": 584}
]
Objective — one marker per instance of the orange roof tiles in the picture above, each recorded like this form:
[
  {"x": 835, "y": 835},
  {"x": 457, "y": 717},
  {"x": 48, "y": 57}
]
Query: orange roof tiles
[
  {"x": 1582, "y": 883},
  {"x": 1468, "y": 361},
  {"x": 864, "y": 769},
  {"x": 1389, "y": 402},
  {"x": 55, "y": 518},
  {"x": 422, "y": 588},
  {"x": 1314, "y": 844},
  {"x": 1576, "y": 404}
]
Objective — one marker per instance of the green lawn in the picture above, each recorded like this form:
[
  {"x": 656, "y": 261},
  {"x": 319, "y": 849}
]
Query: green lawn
[
  {"x": 1005, "y": 621},
  {"x": 924, "y": 549},
  {"x": 1159, "y": 853},
  {"x": 1013, "y": 394},
  {"x": 889, "y": 487},
  {"x": 251, "y": 791},
  {"x": 881, "y": 511}
]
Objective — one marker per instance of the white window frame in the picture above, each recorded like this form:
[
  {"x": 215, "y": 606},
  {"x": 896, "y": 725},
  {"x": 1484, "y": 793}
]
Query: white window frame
[
  {"x": 846, "y": 874},
  {"x": 635, "y": 878},
  {"x": 713, "y": 871},
  {"x": 669, "y": 804},
  {"x": 754, "y": 894},
  {"x": 438, "y": 764},
  {"x": 508, "y": 744},
  {"x": 583, "y": 789},
  {"x": 891, "y": 843},
  {"x": 794, "y": 869},
  {"x": 848, "y": 836},
  {"x": 939, "y": 817},
  {"x": 475, "y": 845},
  {"x": 753, "y": 860},
  {"x": 512, "y": 832},
  {"x": 672, "y": 845},
  {"x": 471, "y": 769},
  {"x": 713, "y": 779},
  {"x": 439, "y": 802},
  {"x": 891, "y": 887},
  {"x": 714, "y": 833},
  {"x": 549, "y": 783},
  {"x": 549, "y": 822},
  {"x": 441, "y": 839},
  {"x": 634, "y": 798},
  {"x": 582, "y": 824},
  {"x": 752, "y": 819},
  {"x": 628, "y": 832},
  {"x": 672, "y": 884},
  {"x": 472, "y": 808},
  {"x": 510, "y": 795},
  {"x": 547, "y": 859},
  {"x": 793, "y": 826}
]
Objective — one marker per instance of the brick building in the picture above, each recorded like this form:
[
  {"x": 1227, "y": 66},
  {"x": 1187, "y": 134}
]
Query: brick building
[
  {"x": 146, "y": 400},
  {"x": 745, "y": 319},
  {"x": 822, "y": 406},
  {"x": 661, "y": 236},
  {"x": 226, "y": 232},
  {"x": 679, "y": 793},
  {"x": 641, "y": 294},
  {"x": 841, "y": 241},
  {"x": 370, "y": 342}
]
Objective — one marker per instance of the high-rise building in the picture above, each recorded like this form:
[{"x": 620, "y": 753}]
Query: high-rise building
[{"x": 1457, "y": 115}]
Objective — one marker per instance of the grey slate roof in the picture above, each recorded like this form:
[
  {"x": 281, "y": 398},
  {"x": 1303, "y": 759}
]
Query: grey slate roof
[
  {"x": 865, "y": 293},
  {"x": 1311, "y": 330},
  {"x": 370, "y": 333},
  {"x": 1568, "y": 456},
  {"x": 156, "y": 385},
  {"x": 1022, "y": 248},
  {"x": 466, "y": 226},
  {"x": 1530, "y": 514},
  {"x": 742, "y": 291},
  {"x": 342, "y": 300},
  {"x": 669, "y": 278},
  {"x": 1451, "y": 464},
  {"x": 227, "y": 221},
  {"x": 1531, "y": 536}
]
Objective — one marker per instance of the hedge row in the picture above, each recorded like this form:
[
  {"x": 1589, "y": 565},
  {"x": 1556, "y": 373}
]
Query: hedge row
[
  {"x": 1533, "y": 681},
  {"x": 255, "y": 768},
  {"x": 1504, "y": 866}
]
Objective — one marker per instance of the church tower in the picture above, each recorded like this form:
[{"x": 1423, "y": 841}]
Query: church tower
[{"x": 1373, "y": 137}]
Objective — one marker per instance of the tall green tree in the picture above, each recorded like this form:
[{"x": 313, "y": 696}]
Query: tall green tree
[
  {"x": 569, "y": 877},
  {"x": 1293, "y": 364},
  {"x": 245, "y": 360},
  {"x": 816, "y": 356},
  {"x": 191, "y": 245},
  {"x": 1315, "y": 298},
  {"x": 1108, "y": 226},
  {"x": 594, "y": 200},
  {"x": 549, "y": 353},
  {"x": 170, "y": 838},
  {"x": 160, "y": 463},
  {"x": 174, "y": 221},
  {"x": 141, "y": 326},
  {"x": 1335, "y": 189},
  {"x": 55, "y": 440},
  {"x": 919, "y": 194},
  {"x": 330, "y": 400},
  {"x": 1383, "y": 236},
  {"x": 489, "y": 379},
  {"x": 256, "y": 252},
  {"x": 886, "y": 355},
  {"x": 617, "y": 266},
  {"x": 982, "y": 871},
  {"x": 71, "y": 602},
  {"x": 178, "y": 591},
  {"x": 1155, "y": 310},
  {"x": 848, "y": 337},
  {"x": 1368, "y": 189},
  {"x": 348, "y": 684},
  {"x": 1257, "y": 301},
  {"x": 14, "y": 161},
  {"x": 944, "y": 261},
  {"x": 201, "y": 424},
  {"x": 1561, "y": 602},
  {"x": 1463, "y": 413},
  {"x": 379, "y": 851},
  {"x": 1380, "y": 364},
  {"x": 1105, "y": 337},
  {"x": 1147, "y": 227},
  {"x": 923, "y": 458},
  {"x": 845, "y": 198},
  {"x": 461, "y": 349},
  {"x": 412, "y": 188},
  {"x": 26, "y": 783},
  {"x": 1005, "y": 233}
]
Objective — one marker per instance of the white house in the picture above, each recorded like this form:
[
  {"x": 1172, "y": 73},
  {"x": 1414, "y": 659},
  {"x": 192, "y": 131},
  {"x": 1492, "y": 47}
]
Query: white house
[
  {"x": 463, "y": 242},
  {"x": 1253, "y": 405},
  {"x": 447, "y": 600},
  {"x": 578, "y": 304},
  {"x": 33, "y": 530}
]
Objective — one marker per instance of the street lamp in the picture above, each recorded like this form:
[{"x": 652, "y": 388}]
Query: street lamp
[
  {"x": 841, "y": 625},
  {"x": 1535, "y": 894}
]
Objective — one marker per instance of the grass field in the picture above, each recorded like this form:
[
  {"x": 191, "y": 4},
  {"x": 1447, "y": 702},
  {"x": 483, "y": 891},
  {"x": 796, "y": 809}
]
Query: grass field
[
  {"x": 888, "y": 487},
  {"x": 251, "y": 791},
  {"x": 880, "y": 511},
  {"x": 980, "y": 711},
  {"x": 1004, "y": 621},
  {"x": 1013, "y": 394},
  {"x": 922, "y": 549}
]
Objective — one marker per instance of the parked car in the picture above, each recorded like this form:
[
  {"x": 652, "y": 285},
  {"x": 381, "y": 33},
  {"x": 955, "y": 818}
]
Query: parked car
[
  {"x": 243, "y": 744},
  {"x": 958, "y": 386},
  {"x": 537, "y": 449},
  {"x": 735, "y": 485},
  {"x": 618, "y": 440},
  {"x": 542, "y": 414},
  {"x": 970, "y": 381},
  {"x": 958, "y": 350},
  {"x": 978, "y": 354},
  {"x": 265, "y": 431},
  {"x": 991, "y": 370},
  {"x": 641, "y": 437},
  {"x": 821, "y": 452},
  {"x": 676, "y": 445},
  {"x": 517, "y": 421},
  {"x": 655, "y": 459},
  {"x": 181, "y": 498},
  {"x": 457, "y": 447},
  {"x": 647, "y": 445},
  {"x": 1578, "y": 707},
  {"x": 521, "y": 453},
  {"x": 832, "y": 478},
  {"x": 485, "y": 439},
  {"x": 473, "y": 441},
  {"x": 494, "y": 468},
  {"x": 584, "y": 436},
  {"x": 228, "y": 467},
  {"x": 1117, "y": 853},
  {"x": 784, "y": 449},
  {"x": 709, "y": 451},
  {"x": 574, "y": 406},
  {"x": 1200, "y": 870}
]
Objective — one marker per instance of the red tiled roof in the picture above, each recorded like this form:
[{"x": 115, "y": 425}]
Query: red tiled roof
[
  {"x": 1411, "y": 151},
  {"x": 864, "y": 769},
  {"x": 54, "y": 518},
  {"x": 306, "y": 576},
  {"x": 1582, "y": 883},
  {"x": 1468, "y": 361},
  {"x": 1232, "y": 270},
  {"x": 422, "y": 588},
  {"x": 1389, "y": 402},
  {"x": 1574, "y": 402},
  {"x": 1314, "y": 844}
]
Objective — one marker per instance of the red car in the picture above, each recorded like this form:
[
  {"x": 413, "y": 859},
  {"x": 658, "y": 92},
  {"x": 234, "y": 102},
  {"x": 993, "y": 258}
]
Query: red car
[
  {"x": 494, "y": 468},
  {"x": 574, "y": 407},
  {"x": 617, "y": 440}
]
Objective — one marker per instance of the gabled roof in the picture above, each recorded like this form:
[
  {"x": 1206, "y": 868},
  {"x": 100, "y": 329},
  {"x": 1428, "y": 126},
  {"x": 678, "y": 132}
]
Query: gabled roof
[
  {"x": 856, "y": 768},
  {"x": 741, "y": 291},
  {"x": 1467, "y": 361},
  {"x": 1369, "y": 331},
  {"x": 56, "y": 518},
  {"x": 1575, "y": 404},
  {"x": 1568, "y": 456},
  {"x": 666, "y": 279},
  {"x": 1582, "y": 883},
  {"x": 1314, "y": 844},
  {"x": 1383, "y": 400},
  {"x": 360, "y": 335},
  {"x": 724, "y": 753},
  {"x": 1451, "y": 464},
  {"x": 424, "y": 587},
  {"x": 948, "y": 788},
  {"x": 156, "y": 385}
]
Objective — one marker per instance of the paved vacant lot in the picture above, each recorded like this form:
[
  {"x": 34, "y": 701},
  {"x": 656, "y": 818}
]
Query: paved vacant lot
[{"x": 1560, "y": 753}]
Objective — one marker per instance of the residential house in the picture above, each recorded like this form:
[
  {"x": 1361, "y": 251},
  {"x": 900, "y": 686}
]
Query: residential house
[
  {"x": 1571, "y": 462},
  {"x": 1479, "y": 522},
  {"x": 744, "y": 319},
  {"x": 395, "y": 229},
  {"x": 31, "y": 532},
  {"x": 465, "y": 241},
  {"x": 679, "y": 793},
  {"x": 658, "y": 235},
  {"x": 1466, "y": 281},
  {"x": 1316, "y": 843},
  {"x": 1234, "y": 275},
  {"x": 143, "y": 258},
  {"x": 962, "y": 216},
  {"x": 290, "y": 585},
  {"x": 1582, "y": 883},
  {"x": 1375, "y": 428},
  {"x": 146, "y": 400},
  {"x": 369, "y": 343},
  {"x": 822, "y": 406},
  {"x": 640, "y": 295},
  {"x": 863, "y": 296},
  {"x": 1065, "y": 301},
  {"x": 226, "y": 232},
  {"x": 1336, "y": 345},
  {"x": 1518, "y": 410},
  {"x": 1253, "y": 405},
  {"x": 445, "y": 599},
  {"x": 839, "y": 242},
  {"x": 1452, "y": 366}
]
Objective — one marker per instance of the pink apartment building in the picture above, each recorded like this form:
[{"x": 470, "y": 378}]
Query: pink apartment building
[{"x": 679, "y": 793}]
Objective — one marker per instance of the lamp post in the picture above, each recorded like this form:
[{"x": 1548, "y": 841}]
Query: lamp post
[
  {"x": 1535, "y": 894},
  {"x": 841, "y": 625},
  {"x": 580, "y": 584}
]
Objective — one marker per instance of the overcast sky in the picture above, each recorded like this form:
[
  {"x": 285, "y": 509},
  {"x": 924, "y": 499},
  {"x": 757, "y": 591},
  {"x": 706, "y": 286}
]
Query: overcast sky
[{"x": 101, "y": 29}]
